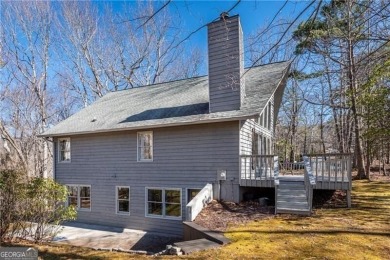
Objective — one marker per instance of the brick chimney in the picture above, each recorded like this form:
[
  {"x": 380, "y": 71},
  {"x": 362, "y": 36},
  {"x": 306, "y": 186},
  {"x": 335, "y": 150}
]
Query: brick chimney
[{"x": 226, "y": 64}]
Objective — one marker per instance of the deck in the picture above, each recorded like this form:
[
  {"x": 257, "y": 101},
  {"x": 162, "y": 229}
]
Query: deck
[
  {"x": 294, "y": 182},
  {"x": 330, "y": 171}
]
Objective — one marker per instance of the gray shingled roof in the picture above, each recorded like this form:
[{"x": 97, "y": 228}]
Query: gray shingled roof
[{"x": 172, "y": 103}]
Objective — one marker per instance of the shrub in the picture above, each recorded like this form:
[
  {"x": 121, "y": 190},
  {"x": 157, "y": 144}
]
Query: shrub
[
  {"x": 32, "y": 209},
  {"x": 12, "y": 188},
  {"x": 46, "y": 202}
]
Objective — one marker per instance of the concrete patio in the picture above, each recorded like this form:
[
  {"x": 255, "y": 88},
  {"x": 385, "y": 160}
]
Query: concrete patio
[{"x": 104, "y": 237}]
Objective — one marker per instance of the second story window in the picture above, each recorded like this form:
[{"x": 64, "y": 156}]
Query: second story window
[
  {"x": 64, "y": 150},
  {"x": 145, "y": 146}
]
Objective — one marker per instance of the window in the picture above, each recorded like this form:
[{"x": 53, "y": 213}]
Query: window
[
  {"x": 79, "y": 196},
  {"x": 191, "y": 193},
  {"x": 164, "y": 203},
  {"x": 64, "y": 150},
  {"x": 145, "y": 146},
  {"x": 72, "y": 197},
  {"x": 122, "y": 200},
  {"x": 85, "y": 197}
]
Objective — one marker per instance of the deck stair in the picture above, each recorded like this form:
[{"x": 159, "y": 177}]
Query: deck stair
[{"x": 291, "y": 196}]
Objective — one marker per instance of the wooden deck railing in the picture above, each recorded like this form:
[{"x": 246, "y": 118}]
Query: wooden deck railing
[
  {"x": 310, "y": 182},
  {"x": 291, "y": 168},
  {"x": 258, "y": 170},
  {"x": 331, "y": 171}
]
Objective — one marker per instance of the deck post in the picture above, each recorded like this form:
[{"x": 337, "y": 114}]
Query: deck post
[{"x": 349, "y": 200}]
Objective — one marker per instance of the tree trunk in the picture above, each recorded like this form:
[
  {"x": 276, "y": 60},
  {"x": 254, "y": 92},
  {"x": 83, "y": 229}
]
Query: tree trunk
[{"x": 352, "y": 85}]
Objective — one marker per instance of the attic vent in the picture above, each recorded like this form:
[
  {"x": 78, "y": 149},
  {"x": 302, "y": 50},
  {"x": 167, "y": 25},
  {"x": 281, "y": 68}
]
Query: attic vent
[{"x": 93, "y": 119}]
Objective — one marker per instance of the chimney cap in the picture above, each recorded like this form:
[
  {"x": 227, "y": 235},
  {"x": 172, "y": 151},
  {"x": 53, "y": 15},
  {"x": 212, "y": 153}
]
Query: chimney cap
[{"x": 224, "y": 15}]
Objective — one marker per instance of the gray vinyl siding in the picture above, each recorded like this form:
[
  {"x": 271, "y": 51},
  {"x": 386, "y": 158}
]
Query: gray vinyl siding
[
  {"x": 183, "y": 157},
  {"x": 246, "y": 128},
  {"x": 246, "y": 135},
  {"x": 225, "y": 49}
]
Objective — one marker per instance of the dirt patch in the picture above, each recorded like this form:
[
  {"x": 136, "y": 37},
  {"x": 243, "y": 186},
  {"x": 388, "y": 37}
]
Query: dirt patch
[
  {"x": 329, "y": 199},
  {"x": 338, "y": 198},
  {"x": 218, "y": 215},
  {"x": 376, "y": 176}
]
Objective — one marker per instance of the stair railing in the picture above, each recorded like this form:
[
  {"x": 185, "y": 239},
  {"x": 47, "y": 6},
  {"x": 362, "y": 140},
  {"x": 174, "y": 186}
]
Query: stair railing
[{"x": 310, "y": 182}]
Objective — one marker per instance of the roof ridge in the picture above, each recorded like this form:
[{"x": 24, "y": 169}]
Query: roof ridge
[
  {"x": 155, "y": 84},
  {"x": 191, "y": 78}
]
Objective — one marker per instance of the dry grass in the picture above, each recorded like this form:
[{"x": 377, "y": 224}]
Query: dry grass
[
  {"x": 61, "y": 251},
  {"x": 362, "y": 232}
]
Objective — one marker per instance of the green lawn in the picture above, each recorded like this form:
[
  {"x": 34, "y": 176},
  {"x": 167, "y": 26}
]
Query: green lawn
[{"x": 362, "y": 232}]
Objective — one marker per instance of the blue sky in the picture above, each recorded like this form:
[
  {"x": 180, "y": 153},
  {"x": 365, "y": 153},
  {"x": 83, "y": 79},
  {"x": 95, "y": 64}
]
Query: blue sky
[{"x": 253, "y": 14}]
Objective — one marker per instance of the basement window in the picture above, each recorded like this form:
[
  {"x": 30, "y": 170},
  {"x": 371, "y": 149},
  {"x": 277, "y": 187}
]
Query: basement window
[
  {"x": 79, "y": 196},
  {"x": 191, "y": 193},
  {"x": 123, "y": 200},
  {"x": 163, "y": 203}
]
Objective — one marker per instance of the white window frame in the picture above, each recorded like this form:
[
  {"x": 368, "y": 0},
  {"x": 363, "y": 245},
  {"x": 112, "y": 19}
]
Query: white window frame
[
  {"x": 163, "y": 216},
  {"x": 78, "y": 196},
  {"x": 117, "y": 201},
  {"x": 139, "y": 148},
  {"x": 59, "y": 150}
]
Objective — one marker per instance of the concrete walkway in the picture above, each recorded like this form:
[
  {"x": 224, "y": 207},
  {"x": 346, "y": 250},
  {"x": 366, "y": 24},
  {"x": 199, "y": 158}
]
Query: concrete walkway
[{"x": 104, "y": 237}]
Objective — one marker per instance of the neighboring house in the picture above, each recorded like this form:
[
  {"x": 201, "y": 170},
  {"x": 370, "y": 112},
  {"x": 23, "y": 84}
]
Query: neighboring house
[{"x": 136, "y": 157}]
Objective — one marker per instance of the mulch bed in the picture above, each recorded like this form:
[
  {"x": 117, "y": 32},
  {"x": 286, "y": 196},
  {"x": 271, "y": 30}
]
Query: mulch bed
[{"x": 218, "y": 215}]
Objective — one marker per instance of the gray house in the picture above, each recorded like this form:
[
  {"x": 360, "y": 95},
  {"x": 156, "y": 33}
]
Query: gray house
[{"x": 137, "y": 158}]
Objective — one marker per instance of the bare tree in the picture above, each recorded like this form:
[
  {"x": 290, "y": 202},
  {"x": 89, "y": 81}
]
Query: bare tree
[
  {"x": 101, "y": 53},
  {"x": 26, "y": 28},
  {"x": 344, "y": 37}
]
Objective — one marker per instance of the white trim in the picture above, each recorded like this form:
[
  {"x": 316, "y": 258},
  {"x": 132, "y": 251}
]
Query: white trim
[
  {"x": 163, "y": 216},
  {"x": 116, "y": 201},
  {"x": 78, "y": 196},
  {"x": 54, "y": 161},
  {"x": 138, "y": 156},
  {"x": 59, "y": 149}
]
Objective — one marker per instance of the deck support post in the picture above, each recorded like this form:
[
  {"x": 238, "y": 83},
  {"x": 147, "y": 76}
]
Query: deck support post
[{"x": 349, "y": 201}]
